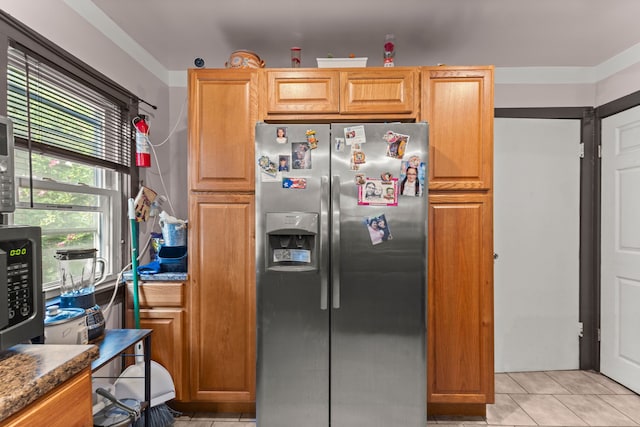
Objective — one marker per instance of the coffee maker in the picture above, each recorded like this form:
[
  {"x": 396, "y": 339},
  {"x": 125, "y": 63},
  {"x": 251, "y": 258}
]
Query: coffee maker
[{"x": 77, "y": 268}]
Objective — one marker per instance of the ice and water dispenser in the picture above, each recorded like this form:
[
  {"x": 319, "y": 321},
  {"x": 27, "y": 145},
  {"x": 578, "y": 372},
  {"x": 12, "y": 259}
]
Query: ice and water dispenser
[{"x": 292, "y": 242}]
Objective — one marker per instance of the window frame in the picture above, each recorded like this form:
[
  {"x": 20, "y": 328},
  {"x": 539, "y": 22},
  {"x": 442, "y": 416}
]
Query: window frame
[
  {"x": 13, "y": 32},
  {"x": 109, "y": 207}
]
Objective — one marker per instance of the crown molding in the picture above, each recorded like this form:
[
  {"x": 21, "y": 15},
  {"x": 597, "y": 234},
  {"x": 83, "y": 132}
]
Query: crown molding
[{"x": 503, "y": 75}]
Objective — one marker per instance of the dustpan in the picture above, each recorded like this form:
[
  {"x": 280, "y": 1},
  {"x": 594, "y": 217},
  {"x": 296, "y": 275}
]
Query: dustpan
[{"x": 130, "y": 384}]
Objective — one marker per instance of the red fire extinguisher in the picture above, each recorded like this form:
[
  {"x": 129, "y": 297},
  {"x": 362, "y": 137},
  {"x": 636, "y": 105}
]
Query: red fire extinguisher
[{"x": 143, "y": 157}]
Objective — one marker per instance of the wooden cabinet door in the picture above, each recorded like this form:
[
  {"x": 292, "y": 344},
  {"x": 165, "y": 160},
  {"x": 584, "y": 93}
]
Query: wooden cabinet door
[
  {"x": 303, "y": 92},
  {"x": 460, "y": 299},
  {"x": 66, "y": 405},
  {"x": 167, "y": 341},
  {"x": 162, "y": 309},
  {"x": 385, "y": 91},
  {"x": 458, "y": 104},
  {"x": 223, "y": 110},
  {"x": 222, "y": 299}
]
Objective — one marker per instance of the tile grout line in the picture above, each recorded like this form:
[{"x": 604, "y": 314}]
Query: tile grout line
[{"x": 571, "y": 393}]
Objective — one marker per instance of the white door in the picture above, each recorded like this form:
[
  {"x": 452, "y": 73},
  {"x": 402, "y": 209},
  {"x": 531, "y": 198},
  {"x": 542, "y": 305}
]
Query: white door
[
  {"x": 620, "y": 249},
  {"x": 536, "y": 237}
]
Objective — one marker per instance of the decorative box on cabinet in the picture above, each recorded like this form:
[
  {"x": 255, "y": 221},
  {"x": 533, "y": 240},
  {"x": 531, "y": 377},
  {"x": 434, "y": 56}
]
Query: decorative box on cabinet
[
  {"x": 162, "y": 308},
  {"x": 223, "y": 110},
  {"x": 458, "y": 104}
]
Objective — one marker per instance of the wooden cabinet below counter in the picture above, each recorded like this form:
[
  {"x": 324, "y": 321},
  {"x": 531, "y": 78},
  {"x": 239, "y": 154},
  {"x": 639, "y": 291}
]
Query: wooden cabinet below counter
[
  {"x": 162, "y": 308},
  {"x": 67, "y": 405},
  {"x": 47, "y": 385}
]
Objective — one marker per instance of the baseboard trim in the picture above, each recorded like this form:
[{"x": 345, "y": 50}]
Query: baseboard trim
[
  {"x": 217, "y": 407},
  {"x": 457, "y": 409}
]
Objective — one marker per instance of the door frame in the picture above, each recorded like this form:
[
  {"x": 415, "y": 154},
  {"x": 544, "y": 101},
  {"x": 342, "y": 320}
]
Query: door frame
[
  {"x": 603, "y": 111},
  {"x": 589, "y": 257}
]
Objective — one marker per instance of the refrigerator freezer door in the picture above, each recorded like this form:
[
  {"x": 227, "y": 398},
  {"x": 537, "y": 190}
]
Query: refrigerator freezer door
[
  {"x": 378, "y": 333},
  {"x": 341, "y": 338},
  {"x": 292, "y": 383}
]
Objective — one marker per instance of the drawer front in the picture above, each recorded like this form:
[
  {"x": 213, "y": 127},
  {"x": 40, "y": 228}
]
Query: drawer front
[
  {"x": 304, "y": 92},
  {"x": 158, "y": 294},
  {"x": 379, "y": 92}
]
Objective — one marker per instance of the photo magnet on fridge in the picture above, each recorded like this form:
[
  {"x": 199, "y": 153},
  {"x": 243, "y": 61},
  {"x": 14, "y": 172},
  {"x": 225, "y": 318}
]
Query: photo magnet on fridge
[
  {"x": 378, "y": 228},
  {"x": 412, "y": 176},
  {"x": 311, "y": 138},
  {"x": 281, "y": 135},
  {"x": 378, "y": 192},
  {"x": 396, "y": 144},
  {"x": 295, "y": 183},
  {"x": 355, "y": 134},
  {"x": 301, "y": 155},
  {"x": 268, "y": 169},
  {"x": 284, "y": 163}
]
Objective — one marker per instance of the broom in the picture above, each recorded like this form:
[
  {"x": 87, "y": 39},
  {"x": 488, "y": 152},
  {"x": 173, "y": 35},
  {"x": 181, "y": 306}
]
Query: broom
[{"x": 159, "y": 415}]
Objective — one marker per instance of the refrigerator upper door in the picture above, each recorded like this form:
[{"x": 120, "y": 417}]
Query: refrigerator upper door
[
  {"x": 292, "y": 202},
  {"x": 378, "y": 319}
]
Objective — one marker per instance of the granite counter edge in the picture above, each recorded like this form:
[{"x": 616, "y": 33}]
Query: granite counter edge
[{"x": 31, "y": 390}]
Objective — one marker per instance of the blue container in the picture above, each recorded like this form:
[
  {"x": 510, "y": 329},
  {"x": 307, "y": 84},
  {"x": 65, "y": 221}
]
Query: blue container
[{"x": 173, "y": 259}]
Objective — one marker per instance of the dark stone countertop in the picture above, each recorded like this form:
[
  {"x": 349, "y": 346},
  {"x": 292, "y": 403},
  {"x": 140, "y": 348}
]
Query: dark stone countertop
[{"x": 29, "y": 371}]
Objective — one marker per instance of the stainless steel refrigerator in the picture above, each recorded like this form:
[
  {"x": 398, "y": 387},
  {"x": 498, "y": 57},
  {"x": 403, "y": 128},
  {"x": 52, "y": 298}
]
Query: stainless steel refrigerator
[{"x": 341, "y": 274}]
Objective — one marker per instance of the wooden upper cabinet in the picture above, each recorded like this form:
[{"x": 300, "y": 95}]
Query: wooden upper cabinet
[
  {"x": 223, "y": 110},
  {"x": 303, "y": 92},
  {"x": 385, "y": 91},
  {"x": 327, "y": 94},
  {"x": 458, "y": 104}
]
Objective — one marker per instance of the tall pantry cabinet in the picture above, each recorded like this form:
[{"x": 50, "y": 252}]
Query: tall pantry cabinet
[
  {"x": 458, "y": 104},
  {"x": 223, "y": 109},
  {"x": 224, "y": 106}
]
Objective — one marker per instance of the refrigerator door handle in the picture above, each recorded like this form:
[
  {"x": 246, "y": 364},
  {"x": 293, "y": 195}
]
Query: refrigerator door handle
[
  {"x": 324, "y": 238},
  {"x": 335, "y": 241}
]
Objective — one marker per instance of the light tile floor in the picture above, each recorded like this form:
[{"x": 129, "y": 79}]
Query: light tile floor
[{"x": 552, "y": 398}]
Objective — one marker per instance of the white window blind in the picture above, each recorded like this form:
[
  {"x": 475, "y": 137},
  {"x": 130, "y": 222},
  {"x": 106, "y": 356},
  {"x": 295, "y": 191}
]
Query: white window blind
[
  {"x": 56, "y": 114},
  {"x": 72, "y": 155}
]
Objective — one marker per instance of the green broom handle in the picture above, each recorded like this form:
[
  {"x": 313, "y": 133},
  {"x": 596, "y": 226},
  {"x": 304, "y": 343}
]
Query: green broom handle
[{"x": 134, "y": 262}]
